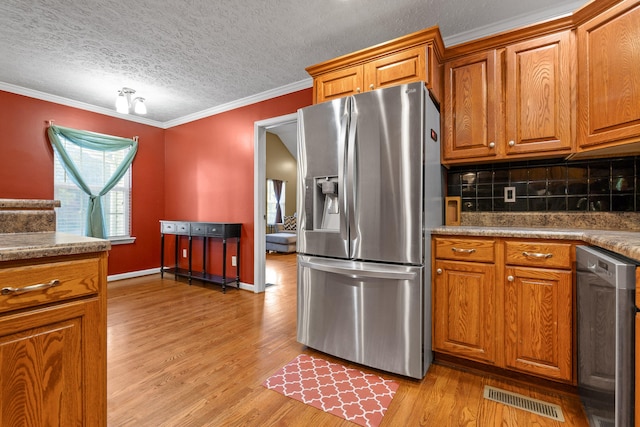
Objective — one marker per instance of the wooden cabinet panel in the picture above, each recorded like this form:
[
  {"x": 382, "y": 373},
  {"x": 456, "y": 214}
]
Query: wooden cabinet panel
[
  {"x": 53, "y": 342},
  {"x": 539, "y": 91},
  {"x": 74, "y": 279},
  {"x": 609, "y": 77},
  {"x": 464, "y": 309},
  {"x": 339, "y": 83},
  {"x": 538, "y": 322},
  {"x": 477, "y": 250},
  {"x": 539, "y": 254},
  {"x": 472, "y": 106},
  {"x": 402, "y": 67}
]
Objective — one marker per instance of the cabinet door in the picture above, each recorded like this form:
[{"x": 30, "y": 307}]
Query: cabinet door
[
  {"x": 538, "y": 95},
  {"x": 402, "y": 67},
  {"x": 608, "y": 76},
  {"x": 464, "y": 309},
  {"x": 539, "y": 322},
  {"x": 340, "y": 83},
  {"x": 51, "y": 371},
  {"x": 472, "y": 107}
]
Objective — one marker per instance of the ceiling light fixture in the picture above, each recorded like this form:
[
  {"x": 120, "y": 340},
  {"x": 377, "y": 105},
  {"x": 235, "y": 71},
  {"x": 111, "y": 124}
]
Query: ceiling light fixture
[{"x": 124, "y": 103}]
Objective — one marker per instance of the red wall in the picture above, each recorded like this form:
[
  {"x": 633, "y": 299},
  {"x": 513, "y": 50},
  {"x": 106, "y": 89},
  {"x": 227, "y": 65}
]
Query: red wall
[
  {"x": 26, "y": 168},
  {"x": 199, "y": 171},
  {"x": 209, "y": 169}
]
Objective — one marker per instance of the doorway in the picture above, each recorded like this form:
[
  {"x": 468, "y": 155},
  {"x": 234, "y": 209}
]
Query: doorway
[{"x": 259, "y": 194}]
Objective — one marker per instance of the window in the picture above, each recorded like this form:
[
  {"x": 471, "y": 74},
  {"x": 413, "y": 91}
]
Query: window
[
  {"x": 272, "y": 202},
  {"x": 96, "y": 167}
]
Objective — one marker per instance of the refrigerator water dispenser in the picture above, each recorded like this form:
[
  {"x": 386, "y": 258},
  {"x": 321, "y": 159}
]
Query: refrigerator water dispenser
[{"x": 326, "y": 190}]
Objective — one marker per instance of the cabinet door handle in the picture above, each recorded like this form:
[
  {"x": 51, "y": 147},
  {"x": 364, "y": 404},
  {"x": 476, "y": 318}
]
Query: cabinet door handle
[
  {"x": 512, "y": 143},
  {"x": 536, "y": 255},
  {"x": 371, "y": 86},
  {"x": 357, "y": 90},
  {"x": 492, "y": 144},
  {"x": 463, "y": 251},
  {"x": 32, "y": 288},
  {"x": 439, "y": 271},
  {"x": 510, "y": 278}
]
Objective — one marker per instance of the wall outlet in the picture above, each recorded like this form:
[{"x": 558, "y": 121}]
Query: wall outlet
[
  {"x": 184, "y": 253},
  {"x": 233, "y": 261},
  {"x": 510, "y": 194}
]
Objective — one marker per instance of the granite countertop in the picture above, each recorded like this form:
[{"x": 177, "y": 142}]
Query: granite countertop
[
  {"x": 625, "y": 243},
  {"x": 14, "y": 246}
]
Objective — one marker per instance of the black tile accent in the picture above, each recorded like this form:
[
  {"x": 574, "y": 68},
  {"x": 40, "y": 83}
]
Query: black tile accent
[{"x": 549, "y": 185}]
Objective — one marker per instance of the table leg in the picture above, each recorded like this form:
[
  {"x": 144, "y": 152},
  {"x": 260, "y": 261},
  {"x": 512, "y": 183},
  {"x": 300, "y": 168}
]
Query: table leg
[
  {"x": 224, "y": 265},
  {"x": 161, "y": 255}
]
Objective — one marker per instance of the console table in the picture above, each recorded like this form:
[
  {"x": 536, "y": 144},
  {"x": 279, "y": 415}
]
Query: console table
[{"x": 205, "y": 231}]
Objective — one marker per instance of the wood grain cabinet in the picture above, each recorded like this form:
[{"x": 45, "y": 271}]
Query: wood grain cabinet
[
  {"x": 534, "y": 80},
  {"x": 609, "y": 86},
  {"x": 53, "y": 341},
  {"x": 415, "y": 57},
  {"x": 464, "y": 298},
  {"x": 506, "y": 303},
  {"x": 472, "y": 93},
  {"x": 538, "y": 324}
]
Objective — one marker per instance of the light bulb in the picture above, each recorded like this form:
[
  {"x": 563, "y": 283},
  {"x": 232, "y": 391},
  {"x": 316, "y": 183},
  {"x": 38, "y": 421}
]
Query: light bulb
[
  {"x": 122, "y": 105},
  {"x": 139, "y": 107}
]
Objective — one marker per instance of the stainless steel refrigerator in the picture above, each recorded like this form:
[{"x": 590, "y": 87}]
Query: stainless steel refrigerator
[{"x": 369, "y": 190}]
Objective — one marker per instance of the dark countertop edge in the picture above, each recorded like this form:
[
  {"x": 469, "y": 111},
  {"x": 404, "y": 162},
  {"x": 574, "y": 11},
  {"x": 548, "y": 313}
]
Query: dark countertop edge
[
  {"x": 29, "y": 204},
  {"x": 17, "y": 246},
  {"x": 626, "y": 243}
]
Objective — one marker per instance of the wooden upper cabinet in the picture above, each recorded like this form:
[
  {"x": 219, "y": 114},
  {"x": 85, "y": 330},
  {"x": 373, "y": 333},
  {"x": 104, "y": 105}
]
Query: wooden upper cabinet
[
  {"x": 337, "y": 84},
  {"x": 402, "y": 67},
  {"x": 471, "y": 107},
  {"x": 609, "y": 78},
  {"x": 539, "y": 91},
  {"x": 414, "y": 57}
]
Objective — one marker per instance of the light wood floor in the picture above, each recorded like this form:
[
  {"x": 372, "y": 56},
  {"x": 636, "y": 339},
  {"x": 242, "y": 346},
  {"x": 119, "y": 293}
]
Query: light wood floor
[{"x": 181, "y": 355}]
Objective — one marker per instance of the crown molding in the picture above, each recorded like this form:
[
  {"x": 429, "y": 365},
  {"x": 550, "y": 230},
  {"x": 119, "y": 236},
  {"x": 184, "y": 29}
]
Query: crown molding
[
  {"x": 513, "y": 23},
  {"x": 263, "y": 96},
  {"x": 19, "y": 90}
]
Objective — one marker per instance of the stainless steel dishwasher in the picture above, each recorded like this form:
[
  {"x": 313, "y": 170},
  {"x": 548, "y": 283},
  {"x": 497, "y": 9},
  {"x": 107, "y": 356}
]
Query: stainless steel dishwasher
[{"x": 606, "y": 312}]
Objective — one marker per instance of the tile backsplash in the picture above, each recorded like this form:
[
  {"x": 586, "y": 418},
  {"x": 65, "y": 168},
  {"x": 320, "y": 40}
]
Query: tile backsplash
[{"x": 609, "y": 185}]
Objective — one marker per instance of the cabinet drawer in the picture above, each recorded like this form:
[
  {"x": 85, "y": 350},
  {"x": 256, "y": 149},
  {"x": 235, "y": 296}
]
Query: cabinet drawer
[
  {"x": 174, "y": 227},
  {"x": 539, "y": 254},
  {"x": 20, "y": 285},
  {"x": 479, "y": 250}
]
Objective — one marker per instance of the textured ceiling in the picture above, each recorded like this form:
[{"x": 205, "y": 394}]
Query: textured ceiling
[{"x": 188, "y": 56}]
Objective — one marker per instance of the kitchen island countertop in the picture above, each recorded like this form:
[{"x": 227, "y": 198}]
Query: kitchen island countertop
[
  {"x": 626, "y": 243},
  {"x": 14, "y": 246}
]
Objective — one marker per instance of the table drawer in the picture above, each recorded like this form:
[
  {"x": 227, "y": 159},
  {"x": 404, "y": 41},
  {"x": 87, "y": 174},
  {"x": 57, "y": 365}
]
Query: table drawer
[
  {"x": 539, "y": 254},
  {"x": 174, "y": 227},
  {"x": 199, "y": 228},
  {"x": 479, "y": 250},
  {"x": 37, "y": 284}
]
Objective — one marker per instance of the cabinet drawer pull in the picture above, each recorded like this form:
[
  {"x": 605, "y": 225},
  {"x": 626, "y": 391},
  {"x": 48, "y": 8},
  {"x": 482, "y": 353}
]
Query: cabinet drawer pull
[
  {"x": 463, "y": 251},
  {"x": 536, "y": 255},
  {"x": 32, "y": 288}
]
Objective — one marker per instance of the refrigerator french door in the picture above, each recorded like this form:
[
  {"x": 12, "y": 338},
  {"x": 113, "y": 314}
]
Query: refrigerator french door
[{"x": 369, "y": 183}]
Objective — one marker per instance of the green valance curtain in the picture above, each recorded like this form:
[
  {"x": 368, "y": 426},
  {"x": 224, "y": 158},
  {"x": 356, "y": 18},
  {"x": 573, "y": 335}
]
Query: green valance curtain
[{"x": 99, "y": 142}]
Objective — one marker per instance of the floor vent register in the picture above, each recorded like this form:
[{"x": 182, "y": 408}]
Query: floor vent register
[{"x": 519, "y": 401}]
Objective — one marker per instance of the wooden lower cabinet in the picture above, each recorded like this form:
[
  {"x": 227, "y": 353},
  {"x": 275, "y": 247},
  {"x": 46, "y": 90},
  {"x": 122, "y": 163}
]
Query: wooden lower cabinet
[
  {"x": 52, "y": 346},
  {"x": 512, "y": 307},
  {"x": 538, "y": 321},
  {"x": 464, "y": 309}
]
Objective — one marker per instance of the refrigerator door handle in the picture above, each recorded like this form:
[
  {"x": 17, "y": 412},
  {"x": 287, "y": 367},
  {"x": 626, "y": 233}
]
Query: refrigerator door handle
[
  {"x": 331, "y": 267},
  {"x": 342, "y": 163},
  {"x": 352, "y": 172}
]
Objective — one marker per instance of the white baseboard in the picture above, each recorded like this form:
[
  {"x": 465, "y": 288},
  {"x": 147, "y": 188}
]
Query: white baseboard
[
  {"x": 132, "y": 274},
  {"x": 140, "y": 273}
]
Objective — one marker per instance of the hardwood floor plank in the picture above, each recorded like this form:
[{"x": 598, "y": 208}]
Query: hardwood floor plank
[{"x": 181, "y": 355}]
